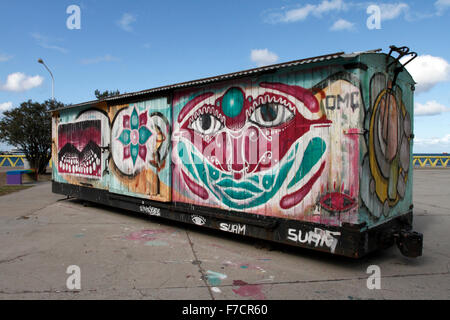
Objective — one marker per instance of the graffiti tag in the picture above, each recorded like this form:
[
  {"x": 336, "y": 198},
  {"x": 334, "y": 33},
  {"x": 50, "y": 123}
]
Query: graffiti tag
[
  {"x": 151, "y": 211},
  {"x": 343, "y": 101},
  {"x": 318, "y": 237},
  {"x": 198, "y": 220},
  {"x": 234, "y": 228}
]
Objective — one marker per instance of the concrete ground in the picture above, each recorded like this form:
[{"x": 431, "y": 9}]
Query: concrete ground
[{"x": 126, "y": 256}]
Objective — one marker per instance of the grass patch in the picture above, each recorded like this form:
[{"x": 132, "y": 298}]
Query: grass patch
[{"x": 10, "y": 189}]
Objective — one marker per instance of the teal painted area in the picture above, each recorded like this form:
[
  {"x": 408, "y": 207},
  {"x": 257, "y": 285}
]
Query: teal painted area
[
  {"x": 314, "y": 151},
  {"x": 231, "y": 192},
  {"x": 144, "y": 134},
  {"x": 238, "y": 194},
  {"x": 215, "y": 278},
  {"x": 125, "y": 137},
  {"x": 230, "y": 183},
  {"x": 233, "y": 102},
  {"x": 134, "y": 150},
  {"x": 156, "y": 243},
  {"x": 134, "y": 121},
  {"x": 55, "y": 175}
]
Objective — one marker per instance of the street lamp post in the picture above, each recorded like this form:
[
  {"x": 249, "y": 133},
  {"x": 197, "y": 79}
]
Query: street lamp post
[{"x": 53, "y": 79}]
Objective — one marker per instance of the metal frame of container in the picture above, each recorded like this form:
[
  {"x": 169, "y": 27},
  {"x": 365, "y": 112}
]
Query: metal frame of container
[{"x": 315, "y": 153}]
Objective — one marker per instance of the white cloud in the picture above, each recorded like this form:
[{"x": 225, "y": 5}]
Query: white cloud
[
  {"x": 5, "y": 57},
  {"x": 430, "y": 108},
  {"x": 342, "y": 24},
  {"x": 441, "y": 6},
  {"x": 5, "y": 106},
  {"x": 263, "y": 57},
  {"x": 302, "y": 13},
  {"x": 393, "y": 11},
  {"x": 126, "y": 21},
  {"x": 297, "y": 14},
  {"x": 105, "y": 58},
  {"x": 428, "y": 71},
  {"x": 326, "y": 6},
  {"x": 19, "y": 81},
  {"x": 443, "y": 141},
  {"x": 46, "y": 42}
]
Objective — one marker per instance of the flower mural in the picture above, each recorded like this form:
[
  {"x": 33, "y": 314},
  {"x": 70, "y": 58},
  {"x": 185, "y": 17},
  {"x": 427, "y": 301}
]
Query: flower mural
[
  {"x": 134, "y": 136},
  {"x": 141, "y": 139}
]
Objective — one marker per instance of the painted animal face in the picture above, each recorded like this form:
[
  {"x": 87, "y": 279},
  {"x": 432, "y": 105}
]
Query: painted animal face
[{"x": 241, "y": 145}]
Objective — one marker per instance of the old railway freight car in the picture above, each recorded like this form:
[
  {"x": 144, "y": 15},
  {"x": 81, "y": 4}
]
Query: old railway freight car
[{"x": 314, "y": 152}]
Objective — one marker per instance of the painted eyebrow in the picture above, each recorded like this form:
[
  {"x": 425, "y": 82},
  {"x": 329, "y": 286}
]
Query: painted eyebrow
[
  {"x": 188, "y": 107},
  {"x": 298, "y": 92}
]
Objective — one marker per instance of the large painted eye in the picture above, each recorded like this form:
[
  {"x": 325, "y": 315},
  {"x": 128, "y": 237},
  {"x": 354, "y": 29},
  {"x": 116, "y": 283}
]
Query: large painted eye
[
  {"x": 206, "y": 124},
  {"x": 271, "y": 115}
]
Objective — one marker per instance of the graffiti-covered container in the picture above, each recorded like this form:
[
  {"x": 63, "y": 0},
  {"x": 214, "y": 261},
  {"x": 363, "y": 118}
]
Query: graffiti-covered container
[{"x": 315, "y": 152}]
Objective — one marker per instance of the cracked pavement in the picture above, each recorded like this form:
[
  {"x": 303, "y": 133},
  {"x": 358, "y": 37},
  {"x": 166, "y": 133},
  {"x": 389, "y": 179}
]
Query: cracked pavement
[{"x": 124, "y": 255}]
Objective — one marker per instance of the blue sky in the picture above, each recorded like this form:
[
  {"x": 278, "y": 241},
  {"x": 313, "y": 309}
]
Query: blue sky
[{"x": 136, "y": 45}]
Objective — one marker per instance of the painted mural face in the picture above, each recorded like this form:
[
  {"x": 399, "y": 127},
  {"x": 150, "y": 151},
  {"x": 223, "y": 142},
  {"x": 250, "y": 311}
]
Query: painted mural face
[
  {"x": 81, "y": 156},
  {"x": 79, "y": 145},
  {"x": 242, "y": 145}
]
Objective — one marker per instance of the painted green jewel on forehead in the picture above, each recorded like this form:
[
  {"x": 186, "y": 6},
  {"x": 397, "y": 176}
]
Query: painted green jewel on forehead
[{"x": 233, "y": 102}]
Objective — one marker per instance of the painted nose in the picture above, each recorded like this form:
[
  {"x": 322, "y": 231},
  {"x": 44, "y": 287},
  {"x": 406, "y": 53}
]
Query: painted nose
[
  {"x": 237, "y": 159},
  {"x": 245, "y": 152}
]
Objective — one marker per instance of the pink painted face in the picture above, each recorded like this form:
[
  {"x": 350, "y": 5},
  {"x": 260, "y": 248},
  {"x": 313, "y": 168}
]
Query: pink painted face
[{"x": 249, "y": 131}]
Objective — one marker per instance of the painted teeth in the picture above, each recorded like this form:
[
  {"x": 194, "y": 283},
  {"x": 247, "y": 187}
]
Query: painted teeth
[{"x": 89, "y": 165}]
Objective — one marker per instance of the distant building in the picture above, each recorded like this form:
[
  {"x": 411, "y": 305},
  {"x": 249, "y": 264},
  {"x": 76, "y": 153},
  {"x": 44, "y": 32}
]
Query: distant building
[{"x": 16, "y": 151}]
